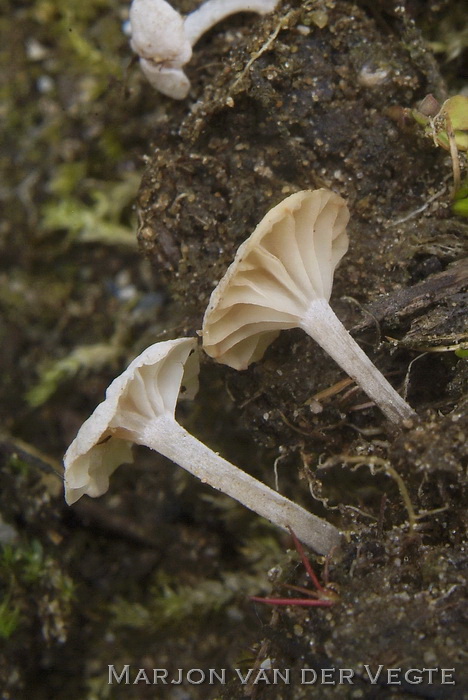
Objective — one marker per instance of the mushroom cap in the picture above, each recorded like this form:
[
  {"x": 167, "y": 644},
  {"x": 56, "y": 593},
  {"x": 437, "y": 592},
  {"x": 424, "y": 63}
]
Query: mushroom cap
[
  {"x": 287, "y": 262},
  {"x": 168, "y": 80},
  {"x": 148, "y": 388},
  {"x": 158, "y": 32}
]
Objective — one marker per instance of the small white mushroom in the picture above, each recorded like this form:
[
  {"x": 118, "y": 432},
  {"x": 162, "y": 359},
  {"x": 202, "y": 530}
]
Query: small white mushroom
[
  {"x": 139, "y": 408},
  {"x": 282, "y": 278},
  {"x": 211, "y": 12},
  {"x": 164, "y": 39}
]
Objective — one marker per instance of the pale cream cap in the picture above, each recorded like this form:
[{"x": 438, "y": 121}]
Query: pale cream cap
[
  {"x": 147, "y": 389},
  {"x": 287, "y": 262}
]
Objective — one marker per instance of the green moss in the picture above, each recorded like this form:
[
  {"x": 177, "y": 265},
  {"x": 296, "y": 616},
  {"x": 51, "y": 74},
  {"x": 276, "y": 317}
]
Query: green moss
[
  {"x": 450, "y": 35},
  {"x": 460, "y": 205},
  {"x": 9, "y": 618},
  {"x": 82, "y": 359},
  {"x": 98, "y": 222},
  {"x": 18, "y": 465},
  {"x": 74, "y": 27},
  {"x": 173, "y": 605},
  {"x": 29, "y": 564},
  {"x": 24, "y": 563},
  {"x": 36, "y": 590}
]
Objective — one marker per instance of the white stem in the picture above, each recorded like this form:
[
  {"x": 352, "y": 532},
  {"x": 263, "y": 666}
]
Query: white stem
[
  {"x": 167, "y": 437},
  {"x": 213, "y": 11},
  {"x": 327, "y": 330}
]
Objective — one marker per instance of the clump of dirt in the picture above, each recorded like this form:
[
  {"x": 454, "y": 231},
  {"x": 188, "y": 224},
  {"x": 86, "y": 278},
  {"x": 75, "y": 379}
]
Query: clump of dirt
[
  {"x": 309, "y": 100},
  {"x": 316, "y": 97}
]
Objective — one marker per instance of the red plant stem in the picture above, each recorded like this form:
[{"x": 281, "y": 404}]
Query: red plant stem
[
  {"x": 306, "y": 563},
  {"x": 303, "y": 602}
]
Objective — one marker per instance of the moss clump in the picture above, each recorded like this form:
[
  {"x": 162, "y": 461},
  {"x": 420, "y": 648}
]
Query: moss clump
[{"x": 26, "y": 567}]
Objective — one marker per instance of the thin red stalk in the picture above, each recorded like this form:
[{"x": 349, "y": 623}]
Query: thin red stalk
[
  {"x": 301, "y": 589},
  {"x": 294, "y": 601},
  {"x": 306, "y": 563}
]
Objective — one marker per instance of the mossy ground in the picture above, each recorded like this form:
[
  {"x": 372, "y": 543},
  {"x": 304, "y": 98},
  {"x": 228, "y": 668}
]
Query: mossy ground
[{"x": 158, "y": 572}]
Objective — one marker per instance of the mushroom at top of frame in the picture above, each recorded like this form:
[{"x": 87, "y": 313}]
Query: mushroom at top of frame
[{"x": 163, "y": 38}]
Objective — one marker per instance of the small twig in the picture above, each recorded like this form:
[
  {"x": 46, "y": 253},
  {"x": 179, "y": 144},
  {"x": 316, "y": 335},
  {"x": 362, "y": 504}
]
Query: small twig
[
  {"x": 281, "y": 25},
  {"x": 362, "y": 406},
  {"x": 313, "y": 433},
  {"x": 368, "y": 313},
  {"x": 407, "y": 377},
  {"x": 360, "y": 512},
  {"x": 368, "y": 432},
  {"x": 321, "y": 499},
  {"x": 385, "y": 466},
  {"x": 330, "y": 391},
  {"x": 31, "y": 455},
  {"x": 282, "y": 454},
  {"x": 251, "y": 689},
  {"x": 417, "y": 211},
  {"x": 453, "y": 154},
  {"x": 383, "y": 504}
]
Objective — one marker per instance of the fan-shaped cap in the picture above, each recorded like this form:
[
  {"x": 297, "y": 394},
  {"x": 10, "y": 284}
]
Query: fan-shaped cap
[
  {"x": 147, "y": 389},
  {"x": 287, "y": 262}
]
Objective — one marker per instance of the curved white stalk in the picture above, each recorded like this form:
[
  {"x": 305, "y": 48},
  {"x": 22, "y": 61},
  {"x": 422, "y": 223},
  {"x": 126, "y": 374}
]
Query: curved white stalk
[
  {"x": 139, "y": 408},
  {"x": 322, "y": 324},
  {"x": 170, "y": 439},
  {"x": 211, "y": 12}
]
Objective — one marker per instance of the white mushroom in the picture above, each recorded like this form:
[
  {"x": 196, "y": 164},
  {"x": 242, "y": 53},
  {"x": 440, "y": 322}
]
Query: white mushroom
[
  {"x": 139, "y": 408},
  {"x": 163, "y": 38},
  {"x": 281, "y": 278},
  {"x": 211, "y": 12}
]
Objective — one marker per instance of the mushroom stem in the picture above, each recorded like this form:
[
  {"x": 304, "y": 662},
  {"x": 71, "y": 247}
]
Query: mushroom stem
[
  {"x": 213, "y": 11},
  {"x": 321, "y": 323},
  {"x": 167, "y": 437}
]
